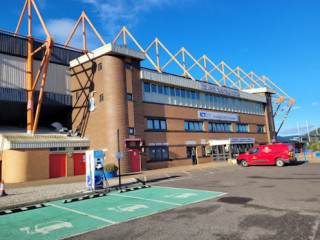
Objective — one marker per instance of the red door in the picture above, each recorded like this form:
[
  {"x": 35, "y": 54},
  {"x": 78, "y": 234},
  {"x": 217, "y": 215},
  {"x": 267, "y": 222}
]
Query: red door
[
  {"x": 57, "y": 165},
  {"x": 135, "y": 160},
  {"x": 79, "y": 163}
]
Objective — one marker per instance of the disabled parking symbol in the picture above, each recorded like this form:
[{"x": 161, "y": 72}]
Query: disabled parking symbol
[
  {"x": 180, "y": 195},
  {"x": 128, "y": 208},
  {"x": 47, "y": 227}
]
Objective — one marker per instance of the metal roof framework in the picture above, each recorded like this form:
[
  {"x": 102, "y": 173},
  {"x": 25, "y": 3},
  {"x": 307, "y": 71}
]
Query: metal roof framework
[{"x": 233, "y": 78}]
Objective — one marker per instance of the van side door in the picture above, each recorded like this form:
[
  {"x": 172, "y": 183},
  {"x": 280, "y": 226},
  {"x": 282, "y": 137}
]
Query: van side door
[{"x": 254, "y": 156}]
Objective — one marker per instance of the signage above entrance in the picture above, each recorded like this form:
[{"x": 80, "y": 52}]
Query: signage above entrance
[
  {"x": 218, "y": 116},
  {"x": 242, "y": 140},
  {"x": 219, "y": 90}
]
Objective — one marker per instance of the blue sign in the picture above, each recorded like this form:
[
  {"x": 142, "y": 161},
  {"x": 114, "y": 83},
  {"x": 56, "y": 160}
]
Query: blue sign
[
  {"x": 218, "y": 116},
  {"x": 98, "y": 154},
  {"x": 245, "y": 140}
]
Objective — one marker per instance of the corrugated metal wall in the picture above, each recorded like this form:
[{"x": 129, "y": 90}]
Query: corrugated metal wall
[
  {"x": 18, "y": 47},
  {"x": 20, "y": 95},
  {"x": 13, "y": 75}
]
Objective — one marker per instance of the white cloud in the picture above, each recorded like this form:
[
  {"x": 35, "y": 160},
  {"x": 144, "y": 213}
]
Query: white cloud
[
  {"x": 315, "y": 104},
  {"x": 61, "y": 29},
  {"x": 296, "y": 107},
  {"x": 115, "y": 14}
]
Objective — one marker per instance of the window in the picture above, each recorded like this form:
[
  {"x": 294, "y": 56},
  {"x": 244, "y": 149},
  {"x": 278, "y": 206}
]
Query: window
[
  {"x": 183, "y": 93},
  {"x": 157, "y": 124},
  {"x": 193, "y": 95},
  {"x": 206, "y": 96},
  {"x": 242, "y": 128},
  {"x": 177, "y": 92},
  {"x": 193, "y": 126},
  {"x": 128, "y": 66},
  {"x": 131, "y": 131},
  {"x": 99, "y": 66},
  {"x": 166, "y": 90},
  {"x": 203, "y": 151},
  {"x": 160, "y": 89},
  {"x": 77, "y": 95},
  {"x": 188, "y": 94},
  {"x": 171, "y": 91},
  {"x": 254, "y": 151},
  {"x": 146, "y": 87},
  {"x": 198, "y": 96},
  {"x": 101, "y": 98},
  {"x": 158, "y": 153},
  {"x": 154, "y": 88},
  {"x": 129, "y": 96},
  {"x": 260, "y": 128},
  {"x": 59, "y": 149},
  {"x": 219, "y": 127},
  {"x": 233, "y": 101}
]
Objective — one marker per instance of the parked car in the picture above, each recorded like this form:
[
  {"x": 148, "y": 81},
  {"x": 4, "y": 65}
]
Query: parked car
[{"x": 275, "y": 154}]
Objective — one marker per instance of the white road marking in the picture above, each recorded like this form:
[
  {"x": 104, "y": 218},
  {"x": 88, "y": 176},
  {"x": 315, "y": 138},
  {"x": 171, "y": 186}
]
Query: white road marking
[
  {"x": 147, "y": 199},
  {"x": 82, "y": 213}
]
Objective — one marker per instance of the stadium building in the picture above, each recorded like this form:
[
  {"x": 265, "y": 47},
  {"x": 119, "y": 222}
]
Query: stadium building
[{"x": 106, "y": 100}]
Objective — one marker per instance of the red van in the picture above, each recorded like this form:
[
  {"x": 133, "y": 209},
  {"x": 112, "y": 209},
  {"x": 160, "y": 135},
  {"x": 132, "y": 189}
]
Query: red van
[{"x": 276, "y": 154}]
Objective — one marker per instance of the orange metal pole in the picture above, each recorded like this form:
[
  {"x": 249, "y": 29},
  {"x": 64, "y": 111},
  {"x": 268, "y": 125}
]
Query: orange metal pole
[
  {"x": 125, "y": 37},
  {"x": 84, "y": 33},
  {"x": 39, "y": 71},
  {"x": 30, "y": 110},
  {"x": 21, "y": 17},
  {"x": 47, "y": 56},
  {"x": 74, "y": 29},
  {"x": 157, "y": 49}
]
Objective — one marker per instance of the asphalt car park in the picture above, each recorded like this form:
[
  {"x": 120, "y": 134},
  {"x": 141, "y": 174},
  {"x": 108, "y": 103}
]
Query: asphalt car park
[
  {"x": 227, "y": 202},
  {"x": 262, "y": 202}
]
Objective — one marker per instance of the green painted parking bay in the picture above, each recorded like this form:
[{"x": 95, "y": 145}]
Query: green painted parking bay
[{"x": 58, "y": 220}]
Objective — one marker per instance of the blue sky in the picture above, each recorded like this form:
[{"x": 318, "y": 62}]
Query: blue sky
[{"x": 279, "y": 39}]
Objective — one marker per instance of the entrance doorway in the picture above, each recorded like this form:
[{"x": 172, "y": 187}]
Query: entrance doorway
[
  {"x": 79, "y": 163},
  {"x": 221, "y": 153},
  {"x": 57, "y": 165},
  {"x": 135, "y": 160},
  {"x": 192, "y": 153}
]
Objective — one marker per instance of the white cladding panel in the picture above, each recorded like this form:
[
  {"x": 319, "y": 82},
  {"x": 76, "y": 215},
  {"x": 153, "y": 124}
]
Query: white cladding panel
[{"x": 13, "y": 75}]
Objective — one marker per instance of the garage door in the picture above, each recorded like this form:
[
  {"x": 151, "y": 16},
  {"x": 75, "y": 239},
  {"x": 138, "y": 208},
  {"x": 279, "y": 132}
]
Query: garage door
[
  {"x": 79, "y": 163},
  {"x": 57, "y": 165}
]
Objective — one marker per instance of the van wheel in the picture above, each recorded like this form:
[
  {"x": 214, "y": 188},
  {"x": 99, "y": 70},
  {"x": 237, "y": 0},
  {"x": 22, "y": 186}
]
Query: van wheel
[
  {"x": 279, "y": 162},
  {"x": 244, "y": 163}
]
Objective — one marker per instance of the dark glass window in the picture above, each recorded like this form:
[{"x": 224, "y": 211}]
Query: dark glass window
[
  {"x": 158, "y": 153},
  {"x": 206, "y": 96},
  {"x": 129, "y": 96},
  {"x": 188, "y": 94},
  {"x": 101, "y": 98},
  {"x": 193, "y": 126},
  {"x": 153, "y": 88},
  {"x": 157, "y": 124},
  {"x": 219, "y": 127},
  {"x": 177, "y": 92},
  {"x": 166, "y": 90},
  {"x": 183, "y": 93},
  {"x": 198, "y": 96},
  {"x": 99, "y": 66},
  {"x": 193, "y": 95},
  {"x": 260, "y": 128},
  {"x": 242, "y": 128},
  {"x": 146, "y": 87},
  {"x": 77, "y": 95},
  {"x": 160, "y": 89},
  {"x": 171, "y": 91},
  {"x": 128, "y": 66},
  {"x": 131, "y": 131}
]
